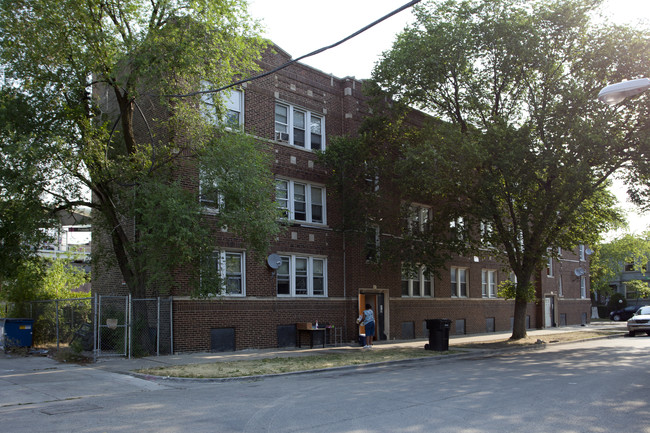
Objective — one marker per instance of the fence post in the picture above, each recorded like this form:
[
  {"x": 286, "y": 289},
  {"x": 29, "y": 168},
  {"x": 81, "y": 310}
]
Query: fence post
[
  {"x": 129, "y": 322},
  {"x": 158, "y": 329},
  {"x": 56, "y": 306},
  {"x": 95, "y": 333}
]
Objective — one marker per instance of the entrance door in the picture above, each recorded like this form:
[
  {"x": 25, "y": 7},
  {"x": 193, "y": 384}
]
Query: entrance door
[
  {"x": 376, "y": 301},
  {"x": 549, "y": 312}
]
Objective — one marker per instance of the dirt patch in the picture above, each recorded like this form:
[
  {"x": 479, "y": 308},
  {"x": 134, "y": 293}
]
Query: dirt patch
[
  {"x": 561, "y": 337},
  {"x": 346, "y": 357}
]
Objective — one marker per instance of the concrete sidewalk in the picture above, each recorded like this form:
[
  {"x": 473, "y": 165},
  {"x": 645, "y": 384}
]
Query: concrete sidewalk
[
  {"x": 123, "y": 365},
  {"x": 46, "y": 385}
]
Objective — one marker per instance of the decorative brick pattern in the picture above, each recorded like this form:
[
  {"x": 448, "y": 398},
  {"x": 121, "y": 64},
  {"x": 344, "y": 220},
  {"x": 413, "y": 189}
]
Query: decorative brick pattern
[{"x": 257, "y": 316}]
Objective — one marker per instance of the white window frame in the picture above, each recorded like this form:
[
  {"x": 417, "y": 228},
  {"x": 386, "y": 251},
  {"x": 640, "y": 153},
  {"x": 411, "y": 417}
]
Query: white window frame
[
  {"x": 289, "y": 203},
  {"x": 220, "y": 260},
  {"x": 581, "y": 249},
  {"x": 209, "y": 206},
  {"x": 583, "y": 287},
  {"x": 418, "y": 217},
  {"x": 233, "y": 100},
  {"x": 549, "y": 265},
  {"x": 489, "y": 283},
  {"x": 486, "y": 233},
  {"x": 310, "y": 275},
  {"x": 417, "y": 287},
  {"x": 285, "y": 131},
  {"x": 456, "y": 283},
  {"x": 459, "y": 226}
]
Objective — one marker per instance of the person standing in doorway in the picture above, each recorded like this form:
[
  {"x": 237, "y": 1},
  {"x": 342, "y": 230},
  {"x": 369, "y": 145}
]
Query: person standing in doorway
[{"x": 367, "y": 319}]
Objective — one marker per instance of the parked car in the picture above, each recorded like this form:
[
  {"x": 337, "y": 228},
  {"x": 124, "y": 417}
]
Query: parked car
[
  {"x": 623, "y": 313},
  {"x": 640, "y": 322}
]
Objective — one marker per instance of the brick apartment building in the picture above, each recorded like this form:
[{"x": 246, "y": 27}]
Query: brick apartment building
[{"x": 317, "y": 273}]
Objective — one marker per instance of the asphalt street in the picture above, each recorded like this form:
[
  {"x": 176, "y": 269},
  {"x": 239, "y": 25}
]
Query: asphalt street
[{"x": 595, "y": 386}]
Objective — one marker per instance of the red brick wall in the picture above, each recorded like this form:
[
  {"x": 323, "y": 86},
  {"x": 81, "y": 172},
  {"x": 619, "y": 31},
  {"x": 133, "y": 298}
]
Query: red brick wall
[{"x": 256, "y": 316}]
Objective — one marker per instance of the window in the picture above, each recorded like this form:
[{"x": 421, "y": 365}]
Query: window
[
  {"x": 301, "y": 201},
  {"x": 549, "y": 264},
  {"x": 418, "y": 218},
  {"x": 371, "y": 176},
  {"x": 457, "y": 226},
  {"x": 234, "y": 108},
  {"x": 417, "y": 284},
  {"x": 298, "y": 127},
  {"x": 458, "y": 282},
  {"x": 486, "y": 233},
  {"x": 583, "y": 287},
  {"x": 372, "y": 244},
  {"x": 302, "y": 276},
  {"x": 233, "y": 101},
  {"x": 209, "y": 195},
  {"x": 489, "y": 283},
  {"x": 230, "y": 267},
  {"x": 582, "y": 252}
]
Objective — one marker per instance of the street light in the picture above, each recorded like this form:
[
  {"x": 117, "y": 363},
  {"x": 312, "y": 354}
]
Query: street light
[{"x": 616, "y": 93}]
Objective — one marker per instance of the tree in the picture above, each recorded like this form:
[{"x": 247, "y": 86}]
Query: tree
[
  {"x": 22, "y": 216},
  {"x": 638, "y": 287},
  {"x": 611, "y": 259},
  {"x": 106, "y": 81},
  {"x": 518, "y": 141}
]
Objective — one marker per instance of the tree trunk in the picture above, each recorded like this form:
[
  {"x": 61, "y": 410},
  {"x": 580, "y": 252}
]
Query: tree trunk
[{"x": 519, "y": 325}]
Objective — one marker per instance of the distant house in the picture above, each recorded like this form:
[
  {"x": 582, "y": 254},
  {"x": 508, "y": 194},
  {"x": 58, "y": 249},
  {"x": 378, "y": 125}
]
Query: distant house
[
  {"x": 71, "y": 237},
  {"x": 629, "y": 273},
  {"x": 319, "y": 274}
]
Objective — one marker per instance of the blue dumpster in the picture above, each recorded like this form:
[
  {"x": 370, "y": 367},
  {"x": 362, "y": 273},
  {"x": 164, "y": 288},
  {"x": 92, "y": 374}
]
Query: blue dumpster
[{"x": 16, "y": 332}]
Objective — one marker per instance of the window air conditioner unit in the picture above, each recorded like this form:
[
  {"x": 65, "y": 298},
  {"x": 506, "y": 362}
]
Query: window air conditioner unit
[{"x": 281, "y": 136}]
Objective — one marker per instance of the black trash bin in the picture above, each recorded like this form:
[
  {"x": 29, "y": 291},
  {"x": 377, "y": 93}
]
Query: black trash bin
[{"x": 438, "y": 334}]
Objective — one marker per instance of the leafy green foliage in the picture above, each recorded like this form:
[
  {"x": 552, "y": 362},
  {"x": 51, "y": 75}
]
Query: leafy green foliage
[
  {"x": 113, "y": 91},
  {"x": 43, "y": 279},
  {"x": 639, "y": 288},
  {"x": 23, "y": 176},
  {"x": 610, "y": 259},
  {"x": 616, "y": 301},
  {"x": 508, "y": 289},
  {"x": 525, "y": 146}
]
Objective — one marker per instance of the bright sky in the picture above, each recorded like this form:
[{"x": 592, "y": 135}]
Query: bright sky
[{"x": 302, "y": 26}]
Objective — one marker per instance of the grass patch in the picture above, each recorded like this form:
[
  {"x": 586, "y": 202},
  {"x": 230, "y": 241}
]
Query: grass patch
[
  {"x": 277, "y": 365},
  {"x": 346, "y": 357}
]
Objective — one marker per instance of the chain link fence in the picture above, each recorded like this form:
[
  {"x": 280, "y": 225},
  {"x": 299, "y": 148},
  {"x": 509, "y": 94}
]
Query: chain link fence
[
  {"x": 57, "y": 322},
  {"x": 103, "y": 325}
]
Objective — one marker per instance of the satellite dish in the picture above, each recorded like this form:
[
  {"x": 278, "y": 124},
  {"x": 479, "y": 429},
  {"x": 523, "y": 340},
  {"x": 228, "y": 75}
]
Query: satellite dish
[
  {"x": 579, "y": 272},
  {"x": 274, "y": 261},
  {"x": 589, "y": 251}
]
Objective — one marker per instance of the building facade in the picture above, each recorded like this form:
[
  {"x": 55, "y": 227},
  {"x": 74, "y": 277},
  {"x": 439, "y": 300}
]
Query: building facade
[{"x": 315, "y": 272}]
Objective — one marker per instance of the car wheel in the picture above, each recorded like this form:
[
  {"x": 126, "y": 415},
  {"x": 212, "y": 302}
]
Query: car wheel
[
  {"x": 616, "y": 318},
  {"x": 631, "y": 333},
  {"x": 647, "y": 332}
]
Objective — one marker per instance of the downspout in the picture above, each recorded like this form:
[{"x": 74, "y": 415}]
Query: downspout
[{"x": 345, "y": 297}]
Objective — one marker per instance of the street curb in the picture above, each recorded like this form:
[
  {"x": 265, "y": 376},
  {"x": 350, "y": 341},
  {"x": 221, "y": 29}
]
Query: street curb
[{"x": 477, "y": 353}]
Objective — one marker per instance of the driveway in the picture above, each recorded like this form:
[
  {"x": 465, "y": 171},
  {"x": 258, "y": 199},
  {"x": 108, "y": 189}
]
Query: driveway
[{"x": 35, "y": 379}]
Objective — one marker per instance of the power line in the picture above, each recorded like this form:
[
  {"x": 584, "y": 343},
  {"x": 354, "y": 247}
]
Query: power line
[{"x": 291, "y": 62}]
